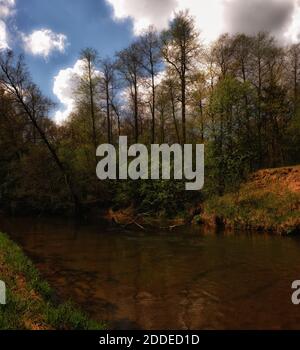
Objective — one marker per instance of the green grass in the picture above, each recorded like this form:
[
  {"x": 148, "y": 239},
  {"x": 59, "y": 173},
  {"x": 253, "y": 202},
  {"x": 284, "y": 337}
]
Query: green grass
[
  {"x": 263, "y": 204},
  {"x": 30, "y": 302}
]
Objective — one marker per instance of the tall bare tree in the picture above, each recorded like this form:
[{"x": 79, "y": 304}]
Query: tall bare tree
[
  {"x": 149, "y": 45},
  {"x": 107, "y": 85},
  {"x": 181, "y": 49},
  {"x": 88, "y": 88},
  {"x": 129, "y": 66}
]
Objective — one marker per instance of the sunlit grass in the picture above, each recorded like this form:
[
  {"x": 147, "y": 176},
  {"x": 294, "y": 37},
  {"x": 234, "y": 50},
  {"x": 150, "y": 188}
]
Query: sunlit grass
[
  {"x": 30, "y": 303},
  {"x": 266, "y": 204}
]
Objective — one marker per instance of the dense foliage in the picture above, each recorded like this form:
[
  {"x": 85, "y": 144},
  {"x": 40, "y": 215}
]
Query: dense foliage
[{"x": 239, "y": 96}]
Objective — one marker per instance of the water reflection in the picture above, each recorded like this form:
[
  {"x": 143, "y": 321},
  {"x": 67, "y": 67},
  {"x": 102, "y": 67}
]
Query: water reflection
[{"x": 157, "y": 280}]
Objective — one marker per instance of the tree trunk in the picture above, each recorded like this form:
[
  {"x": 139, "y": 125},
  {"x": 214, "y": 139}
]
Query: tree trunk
[
  {"x": 109, "y": 128},
  {"x": 174, "y": 117},
  {"x": 153, "y": 108},
  {"x": 136, "y": 113},
  {"x": 92, "y": 109},
  {"x": 183, "y": 96},
  {"x": 60, "y": 165}
]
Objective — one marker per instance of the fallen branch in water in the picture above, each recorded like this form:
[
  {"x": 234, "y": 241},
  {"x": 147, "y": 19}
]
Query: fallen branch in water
[
  {"x": 140, "y": 226},
  {"x": 133, "y": 222},
  {"x": 146, "y": 223},
  {"x": 173, "y": 227}
]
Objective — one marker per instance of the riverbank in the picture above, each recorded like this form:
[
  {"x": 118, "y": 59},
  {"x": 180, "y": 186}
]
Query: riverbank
[
  {"x": 269, "y": 202},
  {"x": 30, "y": 303}
]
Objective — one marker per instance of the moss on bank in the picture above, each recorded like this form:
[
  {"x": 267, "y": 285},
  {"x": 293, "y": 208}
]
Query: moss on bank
[
  {"x": 30, "y": 304},
  {"x": 269, "y": 201}
]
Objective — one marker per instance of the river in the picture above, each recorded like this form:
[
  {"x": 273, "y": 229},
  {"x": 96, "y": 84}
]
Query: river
[{"x": 186, "y": 279}]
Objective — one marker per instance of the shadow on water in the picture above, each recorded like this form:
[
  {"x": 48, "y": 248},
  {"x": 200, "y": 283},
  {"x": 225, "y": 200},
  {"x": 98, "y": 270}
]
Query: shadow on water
[{"x": 186, "y": 279}]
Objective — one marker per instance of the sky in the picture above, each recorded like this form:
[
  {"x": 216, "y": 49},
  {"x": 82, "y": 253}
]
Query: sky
[{"x": 52, "y": 33}]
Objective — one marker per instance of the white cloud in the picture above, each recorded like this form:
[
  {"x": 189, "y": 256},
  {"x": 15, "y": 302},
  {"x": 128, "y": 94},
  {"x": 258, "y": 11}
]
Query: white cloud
[
  {"x": 64, "y": 84},
  {"x": 214, "y": 17},
  {"x": 144, "y": 12},
  {"x": 6, "y": 7},
  {"x": 40, "y": 42},
  {"x": 293, "y": 33},
  {"x": 6, "y": 10},
  {"x": 159, "y": 13},
  {"x": 43, "y": 42},
  {"x": 3, "y": 36},
  {"x": 208, "y": 16}
]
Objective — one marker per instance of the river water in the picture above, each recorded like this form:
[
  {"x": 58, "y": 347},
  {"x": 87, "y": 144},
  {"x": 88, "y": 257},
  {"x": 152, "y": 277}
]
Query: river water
[{"x": 186, "y": 279}]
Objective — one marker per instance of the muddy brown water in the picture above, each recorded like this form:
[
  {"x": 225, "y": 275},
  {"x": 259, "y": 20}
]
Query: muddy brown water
[{"x": 187, "y": 279}]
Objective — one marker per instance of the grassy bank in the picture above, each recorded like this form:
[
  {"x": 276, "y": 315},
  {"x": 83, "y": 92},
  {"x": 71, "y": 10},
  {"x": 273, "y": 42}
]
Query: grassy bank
[
  {"x": 269, "y": 201},
  {"x": 30, "y": 304}
]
